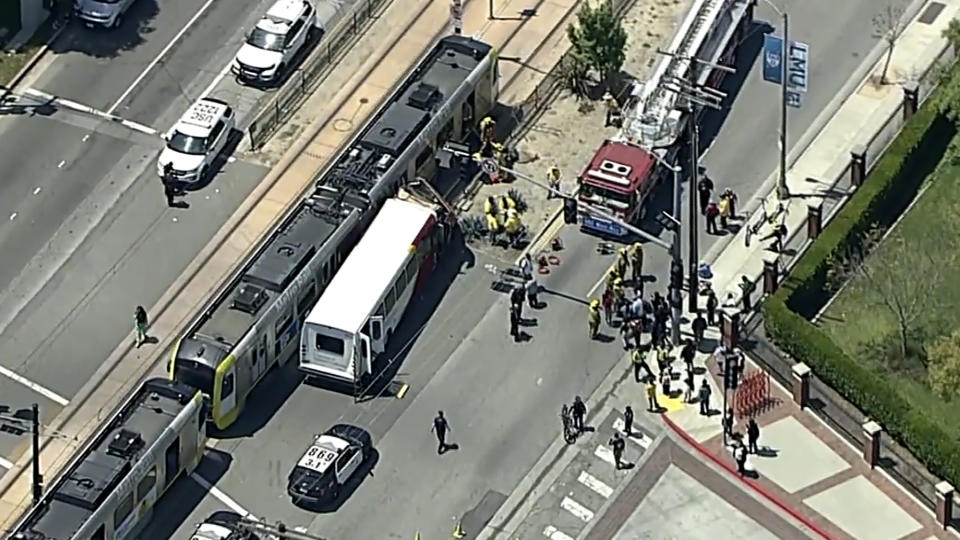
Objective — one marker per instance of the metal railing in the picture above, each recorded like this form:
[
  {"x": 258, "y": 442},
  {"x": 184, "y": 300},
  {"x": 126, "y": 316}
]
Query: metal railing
[{"x": 315, "y": 67}]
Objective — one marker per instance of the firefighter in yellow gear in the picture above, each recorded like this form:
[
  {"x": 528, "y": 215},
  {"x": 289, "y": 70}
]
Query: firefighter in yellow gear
[
  {"x": 622, "y": 260},
  {"x": 487, "y": 126},
  {"x": 618, "y": 297},
  {"x": 493, "y": 227},
  {"x": 636, "y": 262},
  {"x": 612, "y": 275},
  {"x": 593, "y": 318},
  {"x": 553, "y": 180},
  {"x": 613, "y": 109},
  {"x": 507, "y": 203},
  {"x": 513, "y": 224},
  {"x": 490, "y": 207}
]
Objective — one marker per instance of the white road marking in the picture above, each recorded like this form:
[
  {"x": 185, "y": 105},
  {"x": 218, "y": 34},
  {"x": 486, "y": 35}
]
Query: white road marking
[
  {"x": 597, "y": 285},
  {"x": 136, "y": 82},
  {"x": 85, "y": 138},
  {"x": 635, "y": 435},
  {"x": 36, "y": 190},
  {"x": 6, "y": 463},
  {"x": 45, "y": 392},
  {"x": 595, "y": 484},
  {"x": 70, "y": 104},
  {"x": 219, "y": 495},
  {"x": 216, "y": 80},
  {"x": 605, "y": 454},
  {"x": 61, "y": 164},
  {"x": 13, "y": 216},
  {"x": 553, "y": 533},
  {"x": 580, "y": 511}
]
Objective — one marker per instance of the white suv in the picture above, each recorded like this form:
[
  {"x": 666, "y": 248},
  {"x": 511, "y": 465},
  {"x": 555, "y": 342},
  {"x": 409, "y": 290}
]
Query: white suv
[
  {"x": 275, "y": 40},
  {"x": 196, "y": 141}
]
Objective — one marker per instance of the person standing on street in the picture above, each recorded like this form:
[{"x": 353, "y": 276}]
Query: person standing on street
[
  {"x": 746, "y": 290},
  {"x": 639, "y": 364},
  {"x": 140, "y": 325},
  {"x": 704, "y": 395},
  {"x": 515, "y": 322},
  {"x": 687, "y": 354},
  {"x": 740, "y": 456},
  {"x": 636, "y": 265},
  {"x": 516, "y": 299},
  {"x": 607, "y": 300},
  {"x": 704, "y": 189},
  {"x": 526, "y": 266},
  {"x": 532, "y": 289},
  {"x": 628, "y": 421},
  {"x": 553, "y": 180},
  {"x": 617, "y": 444},
  {"x": 712, "y": 213},
  {"x": 712, "y": 304},
  {"x": 699, "y": 326},
  {"x": 689, "y": 386},
  {"x": 753, "y": 435},
  {"x": 623, "y": 260},
  {"x": 579, "y": 411},
  {"x": 728, "y": 423},
  {"x": 652, "y": 405},
  {"x": 440, "y": 427}
]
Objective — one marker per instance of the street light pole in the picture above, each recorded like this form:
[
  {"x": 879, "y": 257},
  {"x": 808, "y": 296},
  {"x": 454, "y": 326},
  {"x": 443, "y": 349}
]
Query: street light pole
[
  {"x": 37, "y": 477},
  {"x": 675, "y": 256},
  {"x": 783, "y": 191}
]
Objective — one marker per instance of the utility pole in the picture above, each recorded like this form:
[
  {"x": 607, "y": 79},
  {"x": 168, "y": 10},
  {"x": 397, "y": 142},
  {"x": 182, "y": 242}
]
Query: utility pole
[
  {"x": 37, "y": 477},
  {"x": 783, "y": 191},
  {"x": 696, "y": 95}
]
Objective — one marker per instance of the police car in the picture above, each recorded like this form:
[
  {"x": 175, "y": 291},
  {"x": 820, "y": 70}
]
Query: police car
[
  {"x": 195, "y": 141},
  {"x": 275, "y": 40},
  {"x": 329, "y": 463},
  {"x": 222, "y": 525}
]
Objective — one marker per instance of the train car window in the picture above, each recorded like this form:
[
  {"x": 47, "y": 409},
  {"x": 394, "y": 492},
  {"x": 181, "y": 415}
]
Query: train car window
[
  {"x": 147, "y": 483},
  {"x": 123, "y": 510},
  {"x": 172, "y": 462},
  {"x": 285, "y": 331},
  {"x": 100, "y": 534},
  {"x": 228, "y": 386}
]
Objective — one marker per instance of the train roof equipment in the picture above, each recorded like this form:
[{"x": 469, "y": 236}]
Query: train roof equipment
[
  {"x": 363, "y": 175},
  {"x": 110, "y": 459}
]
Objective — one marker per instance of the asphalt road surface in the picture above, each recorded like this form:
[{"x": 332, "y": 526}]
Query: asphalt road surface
[
  {"x": 85, "y": 231},
  {"x": 501, "y": 397}
]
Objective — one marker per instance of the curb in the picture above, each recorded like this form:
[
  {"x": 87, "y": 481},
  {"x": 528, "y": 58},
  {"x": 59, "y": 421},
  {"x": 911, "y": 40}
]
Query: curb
[
  {"x": 753, "y": 485},
  {"x": 32, "y": 63}
]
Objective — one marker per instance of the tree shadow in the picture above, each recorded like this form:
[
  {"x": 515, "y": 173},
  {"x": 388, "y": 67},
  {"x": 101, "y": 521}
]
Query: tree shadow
[{"x": 109, "y": 42}]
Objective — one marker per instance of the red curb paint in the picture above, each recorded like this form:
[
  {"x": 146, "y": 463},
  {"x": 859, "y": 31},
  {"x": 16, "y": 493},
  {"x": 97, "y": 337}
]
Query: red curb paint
[{"x": 756, "y": 487}]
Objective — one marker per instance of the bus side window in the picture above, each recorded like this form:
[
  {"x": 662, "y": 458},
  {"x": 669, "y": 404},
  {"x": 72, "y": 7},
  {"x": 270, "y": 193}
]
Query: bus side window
[
  {"x": 389, "y": 301},
  {"x": 411, "y": 270}
]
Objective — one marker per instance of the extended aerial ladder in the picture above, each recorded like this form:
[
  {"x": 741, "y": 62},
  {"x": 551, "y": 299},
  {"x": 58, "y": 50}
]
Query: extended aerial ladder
[{"x": 711, "y": 33}]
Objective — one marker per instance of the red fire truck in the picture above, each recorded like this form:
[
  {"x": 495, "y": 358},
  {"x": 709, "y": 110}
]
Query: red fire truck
[{"x": 618, "y": 179}]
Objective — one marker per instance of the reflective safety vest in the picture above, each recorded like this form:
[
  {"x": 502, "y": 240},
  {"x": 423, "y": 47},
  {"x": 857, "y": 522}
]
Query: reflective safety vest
[
  {"x": 492, "y": 224},
  {"x": 513, "y": 224}
]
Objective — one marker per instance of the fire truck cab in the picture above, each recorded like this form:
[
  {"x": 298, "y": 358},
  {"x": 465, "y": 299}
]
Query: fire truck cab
[{"x": 618, "y": 179}]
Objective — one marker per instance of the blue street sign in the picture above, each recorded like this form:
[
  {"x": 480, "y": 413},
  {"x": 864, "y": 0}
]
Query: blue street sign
[{"x": 772, "y": 54}]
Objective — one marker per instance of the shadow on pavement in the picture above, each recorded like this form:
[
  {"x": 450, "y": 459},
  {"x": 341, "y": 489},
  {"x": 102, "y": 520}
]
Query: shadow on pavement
[
  {"x": 266, "y": 399},
  {"x": 109, "y": 42},
  {"x": 185, "y": 495}
]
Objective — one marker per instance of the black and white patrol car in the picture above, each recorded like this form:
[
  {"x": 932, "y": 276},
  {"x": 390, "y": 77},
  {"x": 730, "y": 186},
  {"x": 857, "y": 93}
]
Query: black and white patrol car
[
  {"x": 329, "y": 463},
  {"x": 223, "y": 525}
]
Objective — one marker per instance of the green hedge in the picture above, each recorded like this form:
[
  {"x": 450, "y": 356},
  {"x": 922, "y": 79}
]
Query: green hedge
[{"x": 887, "y": 191}]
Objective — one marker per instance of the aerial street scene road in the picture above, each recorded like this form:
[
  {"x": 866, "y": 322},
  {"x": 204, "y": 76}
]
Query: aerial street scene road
[{"x": 422, "y": 269}]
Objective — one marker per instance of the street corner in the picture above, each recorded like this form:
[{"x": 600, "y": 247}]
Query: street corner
[{"x": 671, "y": 402}]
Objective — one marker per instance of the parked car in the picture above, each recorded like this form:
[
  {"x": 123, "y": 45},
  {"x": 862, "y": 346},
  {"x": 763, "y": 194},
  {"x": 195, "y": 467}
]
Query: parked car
[
  {"x": 106, "y": 13},
  {"x": 275, "y": 40}
]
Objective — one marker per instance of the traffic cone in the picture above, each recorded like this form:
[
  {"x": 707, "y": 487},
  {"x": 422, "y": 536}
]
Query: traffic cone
[{"x": 458, "y": 531}]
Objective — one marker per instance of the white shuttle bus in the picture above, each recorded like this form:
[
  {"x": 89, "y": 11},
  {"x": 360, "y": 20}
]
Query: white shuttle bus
[{"x": 353, "y": 320}]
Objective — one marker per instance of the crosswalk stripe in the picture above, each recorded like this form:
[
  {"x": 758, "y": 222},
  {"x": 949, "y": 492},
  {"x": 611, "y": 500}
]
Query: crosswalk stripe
[
  {"x": 635, "y": 436},
  {"x": 577, "y": 509},
  {"x": 552, "y": 533},
  {"x": 605, "y": 454},
  {"x": 595, "y": 484}
]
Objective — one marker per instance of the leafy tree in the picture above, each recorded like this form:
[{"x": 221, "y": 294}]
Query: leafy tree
[
  {"x": 943, "y": 366},
  {"x": 948, "y": 77},
  {"x": 598, "y": 39},
  {"x": 904, "y": 282},
  {"x": 573, "y": 75},
  {"x": 888, "y": 25}
]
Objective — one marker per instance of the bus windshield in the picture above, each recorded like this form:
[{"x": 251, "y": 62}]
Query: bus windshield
[{"x": 195, "y": 374}]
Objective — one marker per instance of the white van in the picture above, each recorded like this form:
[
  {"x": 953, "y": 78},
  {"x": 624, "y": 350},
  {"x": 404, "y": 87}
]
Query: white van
[{"x": 275, "y": 40}]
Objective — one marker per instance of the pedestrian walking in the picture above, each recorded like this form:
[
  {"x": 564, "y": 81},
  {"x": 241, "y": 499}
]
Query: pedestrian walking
[
  {"x": 699, "y": 326},
  {"x": 704, "y": 190},
  {"x": 704, "y": 396},
  {"x": 140, "y": 325},
  {"x": 440, "y": 428},
  {"x": 712, "y": 304},
  {"x": 688, "y": 353},
  {"x": 778, "y": 235},
  {"x": 636, "y": 265},
  {"x": 746, "y": 291},
  {"x": 617, "y": 444},
  {"x": 712, "y": 213},
  {"x": 639, "y": 365},
  {"x": 579, "y": 411},
  {"x": 728, "y": 423},
  {"x": 516, "y": 300},
  {"x": 652, "y": 404},
  {"x": 628, "y": 421},
  {"x": 753, "y": 435},
  {"x": 515, "y": 322},
  {"x": 740, "y": 456},
  {"x": 689, "y": 386},
  {"x": 532, "y": 289}
]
